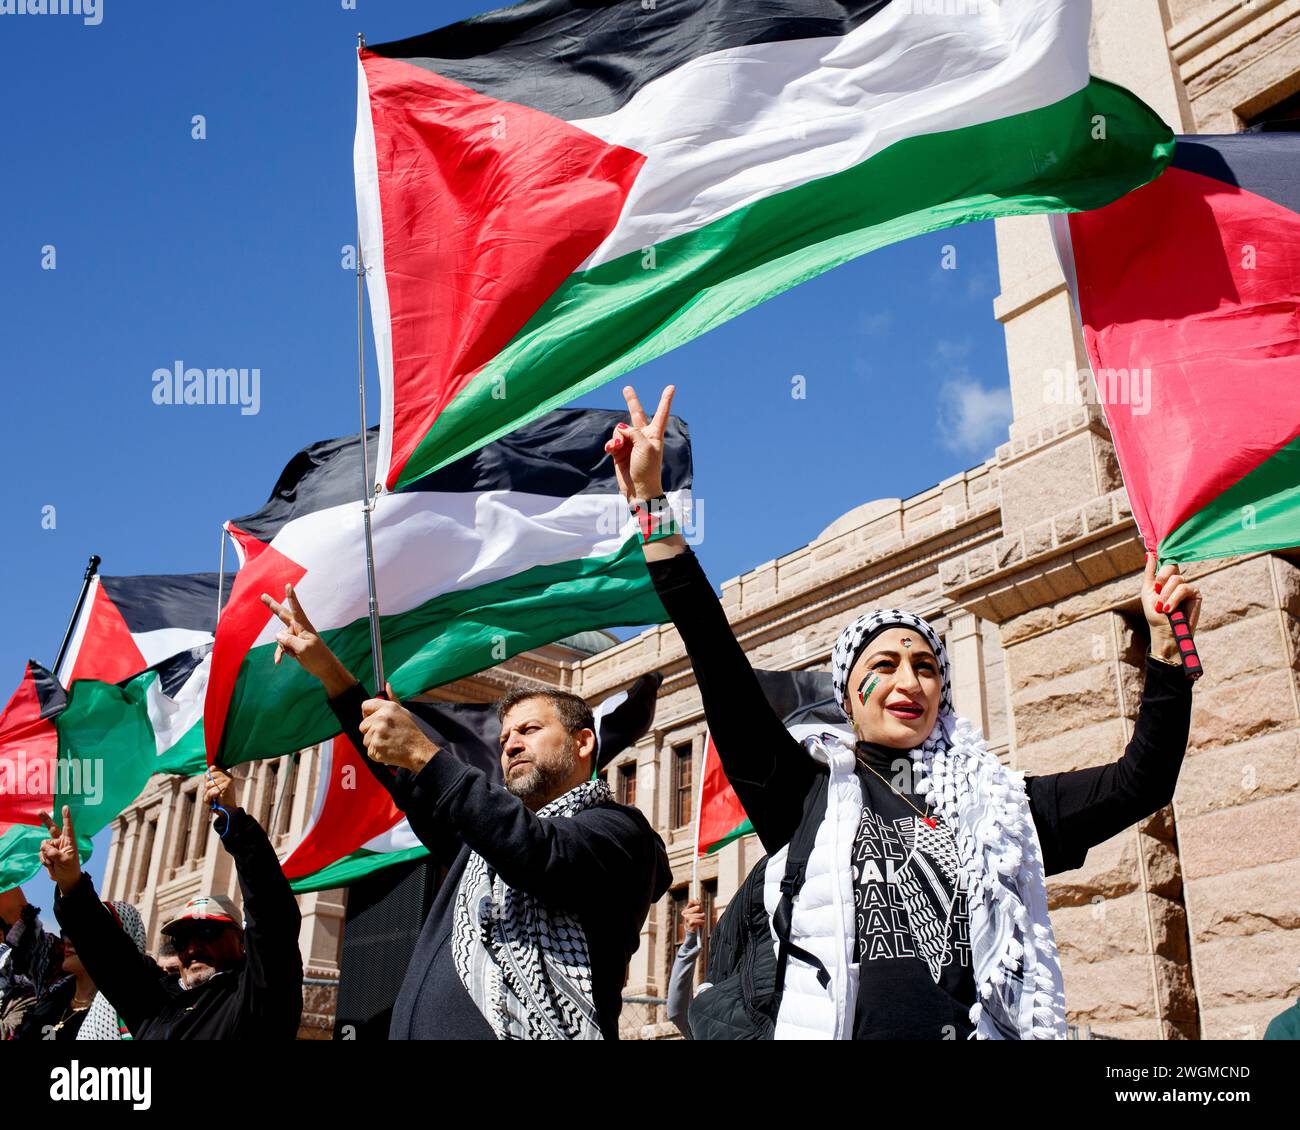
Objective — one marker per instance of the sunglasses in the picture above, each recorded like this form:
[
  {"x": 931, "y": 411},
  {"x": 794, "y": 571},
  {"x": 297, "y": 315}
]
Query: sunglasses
[{"x": 203, "y": 931}]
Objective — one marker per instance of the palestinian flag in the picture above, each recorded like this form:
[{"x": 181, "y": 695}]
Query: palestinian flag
[
  {"x": 805, "y": 702},
  {"x": 1189, "y": 294},
  {"x": 552, "y": 194},
  {"x": 356, "y": 830},
  {"x": 522, "y": 543},
  {"x": 129, "y": 623},
  {"x": 94, "y": 748},
  {"x": 29, "y": 750}
]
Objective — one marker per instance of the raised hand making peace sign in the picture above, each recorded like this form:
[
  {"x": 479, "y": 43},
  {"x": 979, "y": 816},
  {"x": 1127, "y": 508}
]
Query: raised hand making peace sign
[
  {"x": 299, "y": 640},
  {"x": 638, "y": 448},
  {"x": 59, "y": 853}
]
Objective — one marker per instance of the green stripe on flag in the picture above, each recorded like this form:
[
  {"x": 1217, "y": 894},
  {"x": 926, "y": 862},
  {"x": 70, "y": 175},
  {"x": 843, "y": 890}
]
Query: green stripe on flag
[
  {"x": 352, "y": 867},
  {"x": 744, "y": 828},
  {"x": 276, "y": 710},
  {"x": 1259, "y": 512},
  {"x": 20, "y": 859},
  {"x": 608, "y": 320}
]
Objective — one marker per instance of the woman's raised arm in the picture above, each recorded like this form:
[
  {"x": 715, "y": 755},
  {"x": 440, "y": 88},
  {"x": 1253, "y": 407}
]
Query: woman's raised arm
[{"x": 770, "y": 771}]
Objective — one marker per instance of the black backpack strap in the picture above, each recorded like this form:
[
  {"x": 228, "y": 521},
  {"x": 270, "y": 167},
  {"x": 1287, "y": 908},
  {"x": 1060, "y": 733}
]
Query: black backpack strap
[{"x": 796, "y": 870}]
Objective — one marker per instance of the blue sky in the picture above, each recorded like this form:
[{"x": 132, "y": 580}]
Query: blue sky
[{"x": 226, "y": 252}]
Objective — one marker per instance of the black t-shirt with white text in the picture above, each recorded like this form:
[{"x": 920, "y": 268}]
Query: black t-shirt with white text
[{"x": 912, "y": 927}]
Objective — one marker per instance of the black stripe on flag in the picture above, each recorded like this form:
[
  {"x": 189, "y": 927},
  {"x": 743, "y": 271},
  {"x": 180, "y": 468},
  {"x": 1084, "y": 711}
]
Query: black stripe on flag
[
  {"x": 801, "y": 698},
  {"x": 49, "y": 692},
  {"x": 1267, "y": 164},
  {"x": 585, "y": 58},
  {"x": 175, "y": 672},
  {"x": 559, "y": 455},
  {"x": 168, "y": 600}
]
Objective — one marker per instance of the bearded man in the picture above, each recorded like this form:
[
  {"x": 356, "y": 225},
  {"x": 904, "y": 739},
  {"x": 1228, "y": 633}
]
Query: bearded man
[{"x": 548, "y": 880}]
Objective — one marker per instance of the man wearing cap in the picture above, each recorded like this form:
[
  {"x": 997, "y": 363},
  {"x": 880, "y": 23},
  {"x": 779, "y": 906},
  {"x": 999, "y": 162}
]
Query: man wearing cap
[{"x": 243, "y": 977}]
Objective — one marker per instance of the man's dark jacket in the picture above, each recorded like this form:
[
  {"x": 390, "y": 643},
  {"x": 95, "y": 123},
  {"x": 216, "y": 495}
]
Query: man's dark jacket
[
  {"x": 605, "y": 865},
  {"x": 258, "y": 998}
]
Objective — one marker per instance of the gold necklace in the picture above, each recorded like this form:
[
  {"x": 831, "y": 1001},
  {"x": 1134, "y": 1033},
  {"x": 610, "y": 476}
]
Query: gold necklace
[
  {"x": 70, "y": 1010},
  {"x": 929, "y": 820}
]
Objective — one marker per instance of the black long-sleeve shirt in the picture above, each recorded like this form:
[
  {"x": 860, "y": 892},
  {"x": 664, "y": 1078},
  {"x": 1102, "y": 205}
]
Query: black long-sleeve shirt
[
  {"x": 605, "y": 865},
  {"x": 258, "y": 998},
  {"x": 913, "y": 946}
]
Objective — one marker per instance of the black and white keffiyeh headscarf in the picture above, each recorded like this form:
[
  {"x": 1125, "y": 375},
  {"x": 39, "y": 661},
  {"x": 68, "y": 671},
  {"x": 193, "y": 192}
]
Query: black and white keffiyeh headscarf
[
  {"x": 102, "y": 1021},
  {"x": 524, "y": 964},
  {"x": 1020, "y": 993}
]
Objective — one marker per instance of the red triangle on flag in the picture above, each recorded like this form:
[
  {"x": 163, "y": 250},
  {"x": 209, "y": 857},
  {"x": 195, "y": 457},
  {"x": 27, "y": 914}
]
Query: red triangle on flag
[{"x": 487, "y": 206}]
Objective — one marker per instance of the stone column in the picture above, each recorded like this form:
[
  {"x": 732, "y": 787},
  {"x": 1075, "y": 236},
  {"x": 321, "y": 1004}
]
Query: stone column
[
  {"x": 116, "y": 855},
  {"x": 966, "y": 655},
  {"x": 1238, "y": 798},
  {"x": 168, "y": 789}
]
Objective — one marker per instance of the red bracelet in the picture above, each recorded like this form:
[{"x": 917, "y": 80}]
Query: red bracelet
[{"x": 654, "y": 518}]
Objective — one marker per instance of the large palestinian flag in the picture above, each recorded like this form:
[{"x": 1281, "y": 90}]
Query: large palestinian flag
[
  {"x": 554, "y": 193},
  {"x": 94, "y": 748},
  {"x": 805, "y": 702},
  {"x": 356, "y": 830},
  {"x": 1189, "y": 294},
  {"x": 522, "y": 543},
  {"x": 129, "y": 623}
]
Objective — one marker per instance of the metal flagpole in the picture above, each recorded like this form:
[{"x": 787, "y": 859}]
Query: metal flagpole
[
  {"x": 367, "y": 500},
  {"x": 699, "y": 812},
  {"x": 92, "y": 567},
  {"x": 221, "y": 572}
]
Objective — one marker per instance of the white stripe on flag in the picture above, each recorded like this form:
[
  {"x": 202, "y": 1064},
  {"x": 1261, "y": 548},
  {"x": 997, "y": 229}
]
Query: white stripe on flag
[
  {"x": 733, "y": 127},
  {"x": 430, "y": 543}
]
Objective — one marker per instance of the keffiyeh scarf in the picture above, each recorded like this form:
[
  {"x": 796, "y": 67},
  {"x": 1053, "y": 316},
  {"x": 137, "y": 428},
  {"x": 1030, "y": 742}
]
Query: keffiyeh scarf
[
  {"x": 525, "y": 965},
  {"x": 1019, "y": 990}
]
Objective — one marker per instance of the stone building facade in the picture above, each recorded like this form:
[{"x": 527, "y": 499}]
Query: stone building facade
[{"x": 1028, "y": 565}]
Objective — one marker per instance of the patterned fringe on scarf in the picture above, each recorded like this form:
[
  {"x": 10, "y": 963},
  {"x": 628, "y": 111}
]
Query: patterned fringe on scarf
[{"x": 526, "y": 966}]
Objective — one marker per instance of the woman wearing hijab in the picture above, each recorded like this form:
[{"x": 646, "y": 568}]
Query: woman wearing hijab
[
  {"x": 924, "y": 911},
  {"x": 73, "y": 1009}
]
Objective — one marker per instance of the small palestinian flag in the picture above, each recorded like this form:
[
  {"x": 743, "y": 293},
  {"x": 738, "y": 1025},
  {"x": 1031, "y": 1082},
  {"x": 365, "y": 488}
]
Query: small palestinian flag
[
  {"x": 129, "y": 623},
  {"x": 522, "y": 543},
  {"x": 1189, "y": 294},
  {"x": 552, "y": 194},
  {"x": 805, "y": 702},
  {"x": 356, "y": 830},
  {"x": 29, "y": 750},
  {"x": 94, "y": 748}
]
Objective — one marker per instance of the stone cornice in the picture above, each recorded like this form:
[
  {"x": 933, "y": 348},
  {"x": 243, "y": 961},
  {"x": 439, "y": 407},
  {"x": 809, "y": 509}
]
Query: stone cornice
[
  {"x": 882, "y": 569},
  {"x": 1218, "y": 31},
  {"x": 1047, "y": 562},
  {"x": 1085, "y": 417},
  {"x": 1028, "y": 293}
]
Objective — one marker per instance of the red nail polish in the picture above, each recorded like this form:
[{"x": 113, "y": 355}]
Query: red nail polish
[
  {"x": 620, "y": 426},
  {"x": 1158, "y": 583},
  {"x": 1159, "y": 606}
]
